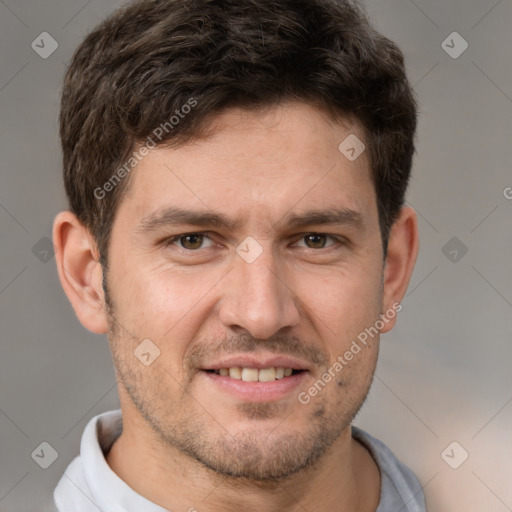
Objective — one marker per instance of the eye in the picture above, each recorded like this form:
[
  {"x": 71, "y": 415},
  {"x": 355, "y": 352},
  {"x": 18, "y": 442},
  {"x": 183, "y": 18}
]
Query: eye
[
  {"x": 318, "y": 240},
  {"x": 189, "y": 241}
]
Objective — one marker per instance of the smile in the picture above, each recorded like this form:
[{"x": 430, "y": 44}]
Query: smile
[{"x": 255, "y": 374}]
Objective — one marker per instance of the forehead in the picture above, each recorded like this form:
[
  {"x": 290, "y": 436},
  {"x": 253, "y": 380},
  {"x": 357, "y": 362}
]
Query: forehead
[{"x": 263, "y": 164}]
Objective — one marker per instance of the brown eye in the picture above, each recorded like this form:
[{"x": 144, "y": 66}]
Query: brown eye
[
  {"x": 191, "y": 241},
  {"x": 315, "y": 240}
]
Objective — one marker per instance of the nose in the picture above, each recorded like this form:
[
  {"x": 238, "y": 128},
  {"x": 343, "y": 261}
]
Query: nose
[{"x": 257, "y": 298}]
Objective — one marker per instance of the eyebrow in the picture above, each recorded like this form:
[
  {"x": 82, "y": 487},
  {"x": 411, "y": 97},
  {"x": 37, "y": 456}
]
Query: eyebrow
[
  {"x": 178, "y": 216},
  {"x": 328, "y": 217}
]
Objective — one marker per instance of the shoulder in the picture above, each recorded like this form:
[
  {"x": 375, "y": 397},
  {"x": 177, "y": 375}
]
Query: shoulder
[
  {"x": 72, "y": 491},
  {"x": 399, "y": 485},
  {"x": 83, "y": 479}
]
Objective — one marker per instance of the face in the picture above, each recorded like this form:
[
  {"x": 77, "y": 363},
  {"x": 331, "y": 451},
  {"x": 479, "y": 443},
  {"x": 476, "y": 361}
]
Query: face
[{"x": 252, "y": 251}]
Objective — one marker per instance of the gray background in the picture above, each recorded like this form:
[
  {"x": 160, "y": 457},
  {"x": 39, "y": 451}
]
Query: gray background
[{"x": 445, "y": 371}]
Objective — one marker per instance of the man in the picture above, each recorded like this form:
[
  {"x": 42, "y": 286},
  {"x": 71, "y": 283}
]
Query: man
[{"x": 236, "y": 171}]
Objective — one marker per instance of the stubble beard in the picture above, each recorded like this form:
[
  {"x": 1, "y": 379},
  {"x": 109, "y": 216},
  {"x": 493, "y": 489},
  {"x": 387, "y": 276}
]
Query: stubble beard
[{"x": 255, "y": 456}]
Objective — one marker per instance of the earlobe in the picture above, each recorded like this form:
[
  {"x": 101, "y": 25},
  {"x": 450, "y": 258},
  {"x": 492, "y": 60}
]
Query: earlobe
[
  {"x": 401, "y": 256},
  {"x": 80, "y": 271}
]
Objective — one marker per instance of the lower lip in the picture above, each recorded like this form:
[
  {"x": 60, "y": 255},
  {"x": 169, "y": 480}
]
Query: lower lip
[{"x": 257, "y": 391}]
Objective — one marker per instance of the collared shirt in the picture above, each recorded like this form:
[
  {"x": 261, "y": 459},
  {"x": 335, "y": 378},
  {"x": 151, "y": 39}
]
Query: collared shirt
[{"x": 89, "y": 485}]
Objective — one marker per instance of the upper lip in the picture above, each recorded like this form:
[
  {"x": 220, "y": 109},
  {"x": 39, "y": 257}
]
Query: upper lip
[{"x": 259, "y": 362}]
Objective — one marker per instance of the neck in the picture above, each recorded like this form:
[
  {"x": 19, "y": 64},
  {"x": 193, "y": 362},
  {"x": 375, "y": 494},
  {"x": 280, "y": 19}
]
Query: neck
[{"x": 345, "y": 479}]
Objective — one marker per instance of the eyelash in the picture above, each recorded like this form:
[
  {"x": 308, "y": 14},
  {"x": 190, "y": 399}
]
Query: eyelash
[{"x": 170, "y": 241}]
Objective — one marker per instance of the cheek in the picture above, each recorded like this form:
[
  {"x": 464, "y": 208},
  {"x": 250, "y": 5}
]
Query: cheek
[
  {"x": 165, "y": 305},
  {"x": 344, "y": 305}
]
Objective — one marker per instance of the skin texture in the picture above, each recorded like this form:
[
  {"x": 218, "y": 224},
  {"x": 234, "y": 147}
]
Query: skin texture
[{"x": 185, "y": 439}]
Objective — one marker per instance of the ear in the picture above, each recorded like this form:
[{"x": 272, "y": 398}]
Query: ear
[
  {"x": 402, "y": 252},
  {"x": 80, "y": 271}
]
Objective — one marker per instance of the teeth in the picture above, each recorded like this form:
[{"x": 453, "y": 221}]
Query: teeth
[
  {"x": 266, "y": 374},
  {"x": 255, "y": 375},
  {"x": 250, "y": 374},
  {"x": 235, "y": 373}
]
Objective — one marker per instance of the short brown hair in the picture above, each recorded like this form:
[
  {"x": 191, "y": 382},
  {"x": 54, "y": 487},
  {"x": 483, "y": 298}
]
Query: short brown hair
[{"x": 139, "y": 68}]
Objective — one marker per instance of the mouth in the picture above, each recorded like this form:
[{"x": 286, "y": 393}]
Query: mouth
[
  {"x": 269, "y": 374},
  {"x": 256, "y": 378}
]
